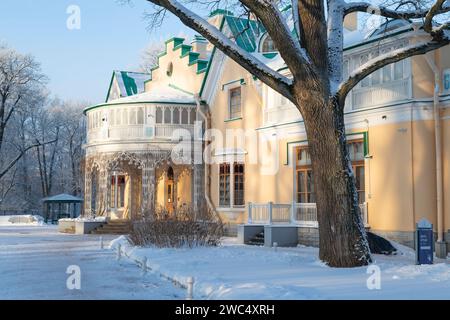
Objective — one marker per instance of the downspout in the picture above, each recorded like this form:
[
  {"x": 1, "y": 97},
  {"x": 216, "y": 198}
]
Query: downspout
[
  {"x": 437, "y": 135},
  {"x": 207, "y": 187}
]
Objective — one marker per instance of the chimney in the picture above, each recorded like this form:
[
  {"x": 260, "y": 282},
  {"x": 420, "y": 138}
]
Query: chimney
[
  {"x": 199, "y": 44},
  {"x": 351, "y": 21}
]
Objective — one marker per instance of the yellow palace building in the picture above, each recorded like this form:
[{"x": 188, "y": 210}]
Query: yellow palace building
[{"x": 258, "y": 174}]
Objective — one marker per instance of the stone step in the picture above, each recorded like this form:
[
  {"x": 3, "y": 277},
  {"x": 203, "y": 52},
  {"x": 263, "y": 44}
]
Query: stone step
[
  {"x": 257, "y": 240},
  {"x": 114, "y": 227}
]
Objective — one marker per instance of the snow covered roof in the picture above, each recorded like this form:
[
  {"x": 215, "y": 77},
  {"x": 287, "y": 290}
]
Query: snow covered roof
[
  {"x": 129, "y": 82},
  {"x": 169, "y": 94},
  {"x": 163, "y": 94},
  {"x": 63, "y": 197}
]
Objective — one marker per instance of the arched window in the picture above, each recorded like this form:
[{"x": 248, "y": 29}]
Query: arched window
[
  {"x": 159, "y": 115},
  {"x": 176, "y": 116},
  {"x": 267, "y": 45},
  {"x": 167, "y": 115},
  {"x": 193, "y": 116},
  {"x": 169, "y": 70},
  {"x": 184, "y": 116},
  {"x": 140, "y": 116}
]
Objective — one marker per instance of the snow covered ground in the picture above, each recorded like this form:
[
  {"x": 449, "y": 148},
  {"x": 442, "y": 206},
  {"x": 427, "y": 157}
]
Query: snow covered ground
[
  {"x": 234, "y": 271},
  {"x": 34, "y": 260},
  {"x": 21, "y": 220}
]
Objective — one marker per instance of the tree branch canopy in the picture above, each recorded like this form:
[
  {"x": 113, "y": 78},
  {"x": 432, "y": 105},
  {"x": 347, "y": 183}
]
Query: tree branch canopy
[
  {"x": 289, "y": 47},
  {"x": 390, "y": 13},
  {"x": 273, "y": 79},
  {"x": 20, "y": 155}
]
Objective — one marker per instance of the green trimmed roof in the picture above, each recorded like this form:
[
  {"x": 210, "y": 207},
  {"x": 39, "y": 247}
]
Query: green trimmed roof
[
  {"x": 245, "y": 32},
  {"x": 130, "y": 83}
]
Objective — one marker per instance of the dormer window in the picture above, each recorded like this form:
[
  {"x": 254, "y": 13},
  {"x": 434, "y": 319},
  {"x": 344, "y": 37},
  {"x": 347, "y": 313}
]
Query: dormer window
[
  {"x": 267, "y": 44},
  {"x": 169, "y": 70}
]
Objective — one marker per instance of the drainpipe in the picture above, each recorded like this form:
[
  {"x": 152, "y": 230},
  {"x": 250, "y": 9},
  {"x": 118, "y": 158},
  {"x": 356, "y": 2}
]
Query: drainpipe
[
  {"x": 205, "y": 118},
  {"x": 441, "y": 245}
]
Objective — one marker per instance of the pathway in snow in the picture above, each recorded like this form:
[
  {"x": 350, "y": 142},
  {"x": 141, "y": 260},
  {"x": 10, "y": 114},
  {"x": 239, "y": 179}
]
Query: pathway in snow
[{"x": 34, "y": 260}]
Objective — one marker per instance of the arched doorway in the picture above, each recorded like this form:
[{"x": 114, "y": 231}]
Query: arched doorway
[{"x": 170, "y": 191}]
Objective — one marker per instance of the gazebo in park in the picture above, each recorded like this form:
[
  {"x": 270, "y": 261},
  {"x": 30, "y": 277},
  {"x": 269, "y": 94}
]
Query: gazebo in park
[{"x": 62, "y": 206}]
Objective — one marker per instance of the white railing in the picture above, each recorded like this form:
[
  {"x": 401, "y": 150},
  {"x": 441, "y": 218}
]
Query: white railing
[
  {"x": 379, "y": 94},
  {"x": 127, "y": 132},
  {"x": 305, "y": 214},
  {"x": 300, "y": 214},
  {"x": 167, "y": 130}
]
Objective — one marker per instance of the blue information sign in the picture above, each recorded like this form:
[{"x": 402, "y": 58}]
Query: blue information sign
[{"x": 424, "y": 242}]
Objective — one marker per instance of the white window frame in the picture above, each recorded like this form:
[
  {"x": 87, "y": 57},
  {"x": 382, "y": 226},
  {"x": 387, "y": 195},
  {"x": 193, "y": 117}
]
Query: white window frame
[{"x": 229, "y": 102}]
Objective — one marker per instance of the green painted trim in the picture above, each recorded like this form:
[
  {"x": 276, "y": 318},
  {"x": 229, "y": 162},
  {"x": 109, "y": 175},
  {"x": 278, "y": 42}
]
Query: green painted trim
[
  {"x": 185, "y": 49},
  {"x": 210, "y": 62},
  {"x": 241, "y": 82},
  {"x": 220, "y": 11},
  {"x": 232, "y": 119},
  {"x": 110, "y": 85},
  {"x": 270, "y": 55},
  {"x": 180, "y": 89},
  {"x": 365, "y": 140},
  {"x": 287, "y": 149},
  {"x": 286, "y": 8},
  {"x": 365, "y": 143},
  {"x": 177, "y": 40},
  {"x": 193, "y": 57},
  {"x": 140, "y": 102}
]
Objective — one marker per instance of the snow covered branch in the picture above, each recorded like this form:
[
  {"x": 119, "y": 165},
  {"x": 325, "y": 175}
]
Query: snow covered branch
[
  {"x": 257, "y": 68},
  {"x": 288, "y": 45},
  {"x": 439, "y": 38},
  {"x": 434, "y": 10},
  {"x": 390, "y": 13},
  {"x": 335, "y": 41}
]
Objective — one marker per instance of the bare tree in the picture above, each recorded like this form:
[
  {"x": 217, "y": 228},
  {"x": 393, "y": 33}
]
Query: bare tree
[
  {"x": 73, "y": 135},
  {"x": 20, "y": 80},
  {"x": 149, "y": 58},
  {"x": 317, "y": 88}
]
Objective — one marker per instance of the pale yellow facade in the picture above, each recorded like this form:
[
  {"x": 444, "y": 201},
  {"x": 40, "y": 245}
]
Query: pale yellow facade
[{"x": 390, "y": 117}]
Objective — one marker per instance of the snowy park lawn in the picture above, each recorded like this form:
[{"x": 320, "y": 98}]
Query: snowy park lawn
[{"x": 233, "y": 271}]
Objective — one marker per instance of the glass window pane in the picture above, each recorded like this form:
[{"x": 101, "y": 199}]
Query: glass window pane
[
  {"x": 398, "y": 70},
  {"x": 387, "y": 77},
  {"x": 301, "y": 181},
  {"x": 193, "y": 116},
  {"x": 140, "y": 116},
  {"x": 121, "y": 191},
  {"x": 376, "y": 77},
  {"x": 184, "y": 116},
  {"x": 159, "y": 115},
  {"x": 303, "y": 157},
  {"x": 176, "y": 116},
  {"x": 235, "y": 102},
  {"x": 167, "y": 115}
]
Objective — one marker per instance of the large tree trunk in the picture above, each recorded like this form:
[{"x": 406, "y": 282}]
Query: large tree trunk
[{"x": 342, "y": 236}]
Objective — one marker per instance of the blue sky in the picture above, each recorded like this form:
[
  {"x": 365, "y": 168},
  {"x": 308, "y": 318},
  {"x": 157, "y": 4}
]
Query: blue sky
[{"x": 79, "y": 63}]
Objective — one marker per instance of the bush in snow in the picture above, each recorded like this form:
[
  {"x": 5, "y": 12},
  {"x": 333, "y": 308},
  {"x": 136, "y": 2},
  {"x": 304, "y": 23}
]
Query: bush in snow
[{"x": 181, "y": 228}]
